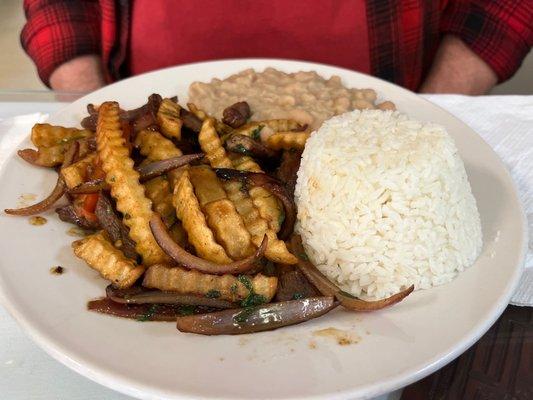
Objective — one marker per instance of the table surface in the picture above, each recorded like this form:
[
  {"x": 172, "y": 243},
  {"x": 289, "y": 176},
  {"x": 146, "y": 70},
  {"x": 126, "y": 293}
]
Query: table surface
[{"x": 498, "y": 366}]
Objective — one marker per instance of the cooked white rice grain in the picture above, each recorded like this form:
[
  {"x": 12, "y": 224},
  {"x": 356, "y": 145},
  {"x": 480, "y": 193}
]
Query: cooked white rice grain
[{"x": 384, "y": 202}]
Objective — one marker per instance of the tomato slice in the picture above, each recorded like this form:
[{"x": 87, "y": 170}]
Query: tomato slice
[
  {"x": 86, "y": 204},
  {"x": 89, "y": 203}
]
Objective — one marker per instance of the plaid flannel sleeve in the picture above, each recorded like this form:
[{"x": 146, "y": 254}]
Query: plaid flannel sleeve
[
  {"x": 498, "y": 31},
  {"x": 57, "y": 31}
]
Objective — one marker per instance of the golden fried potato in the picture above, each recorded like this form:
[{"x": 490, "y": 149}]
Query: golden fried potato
[
  {"x": 225, "y": 287},
  {"x": 124, "y": 182},
  {"x": 255, "y": 224},
  {"x": 282, "y": 125},
  {"x": 53, "y": 156},
  {"x": 193, "y": 220},
  {"x": 45, "y": 156},
  {"x": 256, "y": 128},
  {"x": 160, "y": 194},
  {"x": 212, "y": 145},
  {"x": 287, "y": 140},
  {"x": 244, "y": 163},
  {"x": 268, "y": 205},
  {"x": 220, "y": 126},
  {"x": 251, "y": 129},
  {"x": 229, "y": 229},
  {"x": 200, "y": 114},
  {"x": 221, "y": 215},
  {"x": 207, "y": 186},
  {"x": 109, "y": 261},
  {"x": 46, "y": 135},
  {"x": 156, "y": 147},
  {"x": 168, "y": 118},
  {"x": 76, "y": 173}
]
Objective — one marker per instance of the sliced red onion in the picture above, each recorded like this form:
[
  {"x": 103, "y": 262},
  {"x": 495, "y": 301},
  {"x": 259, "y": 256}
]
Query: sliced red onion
[
  {"x": 146, "y": 172},
  {"x": 256, "y": 319},
  {"x": 57, "y": 193},
  {"x": 144, "y": 312},
  {"x": 246, "y": 145},
  {"x": 158, "y": 168}
]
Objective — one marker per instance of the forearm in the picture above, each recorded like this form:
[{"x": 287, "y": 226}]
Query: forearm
[
  {"x": 457, "y": 69},
  {"x": 57, "y": 32},
  {"x": 81, "y": 74}
]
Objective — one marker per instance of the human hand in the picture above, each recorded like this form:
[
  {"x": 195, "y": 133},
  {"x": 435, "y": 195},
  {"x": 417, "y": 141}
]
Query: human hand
[{"x": 81, "y": 74}]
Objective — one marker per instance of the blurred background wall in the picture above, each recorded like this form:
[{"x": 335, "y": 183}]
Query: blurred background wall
[{"x": 18, "y": 72}]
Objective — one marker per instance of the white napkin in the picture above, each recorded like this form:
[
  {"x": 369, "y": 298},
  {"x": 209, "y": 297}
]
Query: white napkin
[{"x": 506, "y": 124}]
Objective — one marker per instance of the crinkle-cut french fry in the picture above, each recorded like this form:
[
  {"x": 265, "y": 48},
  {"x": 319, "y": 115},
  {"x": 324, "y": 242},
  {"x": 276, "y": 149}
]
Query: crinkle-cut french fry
[
  {"x": 212, "y": 145},
  {"x": 76, "y": 173},
  {"x": 283, "y": 125},
  {"x": 207, "y": 186},
  {"x": 268, "y": 206},
  {"x": 287, "y": 140},
  {"x": 156, "y": 147},
  {"x": 228, "y": 228},
  {"x": 257, "y": 226},
  {"x": 225, "y": 287},
  {"x": 160, "y": 194},
  {"x": 199, "y": 113},
  {"x": 54, "y": 156},
  {"x": 255, "y": 128},
  {"x": 221, "y": 215},
  {"x": 123, "y": 179},
  {"x": 109, "y": 261},
  {"x": 168, "y": 117},
  {"x": 220, "y": 126},
  {"x": 254, "y": 223},
  {"x": 193, "y": 220},
  {"x": 278, "y": 252},
  {"x": 251, "y": 129},
  {"x": 244, "y": 163},
  {"x": 46, "y": 135}
]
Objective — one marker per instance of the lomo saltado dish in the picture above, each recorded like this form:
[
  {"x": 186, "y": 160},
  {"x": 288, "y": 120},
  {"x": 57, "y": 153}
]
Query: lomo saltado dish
[{"x": 189, "y": 217}]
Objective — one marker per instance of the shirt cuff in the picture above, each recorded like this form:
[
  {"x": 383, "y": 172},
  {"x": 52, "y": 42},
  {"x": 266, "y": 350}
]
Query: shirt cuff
[
  {"x": 53, "y": 36},
  {"x": 499, "y": 39}
]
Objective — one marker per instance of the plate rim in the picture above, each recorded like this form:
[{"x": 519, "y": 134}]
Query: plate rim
[{"x": 129, "y": 387}]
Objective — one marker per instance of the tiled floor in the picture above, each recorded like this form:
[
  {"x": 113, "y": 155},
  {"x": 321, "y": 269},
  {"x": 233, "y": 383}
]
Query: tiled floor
[{"x": 18, "y": 72}]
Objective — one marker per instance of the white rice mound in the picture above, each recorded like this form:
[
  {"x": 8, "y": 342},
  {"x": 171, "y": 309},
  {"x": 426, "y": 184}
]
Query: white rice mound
[{"x": 384, "y": 202}]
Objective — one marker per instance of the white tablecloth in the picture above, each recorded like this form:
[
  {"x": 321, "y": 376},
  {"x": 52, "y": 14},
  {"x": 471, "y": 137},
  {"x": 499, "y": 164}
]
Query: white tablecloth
[{"x": 505, "y": 122}]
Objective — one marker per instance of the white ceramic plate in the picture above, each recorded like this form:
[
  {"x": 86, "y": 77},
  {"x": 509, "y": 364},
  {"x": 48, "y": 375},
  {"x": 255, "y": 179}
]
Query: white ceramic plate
[{"x": 396, "y": 346}]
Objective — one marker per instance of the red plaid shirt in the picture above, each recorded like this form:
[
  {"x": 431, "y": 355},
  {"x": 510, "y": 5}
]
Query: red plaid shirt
[{"x": 403, "y": 35}]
